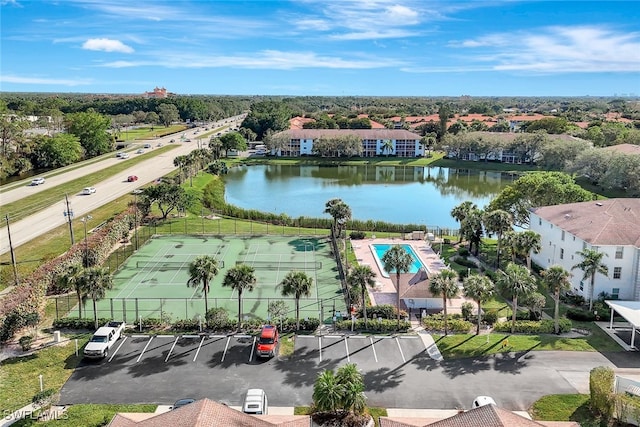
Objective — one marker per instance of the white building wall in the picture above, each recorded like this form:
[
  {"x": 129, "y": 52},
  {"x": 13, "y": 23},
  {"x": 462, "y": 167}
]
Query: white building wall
[
  {"x": 306, "y": 146},
  {"x": 558, "y": 251}
]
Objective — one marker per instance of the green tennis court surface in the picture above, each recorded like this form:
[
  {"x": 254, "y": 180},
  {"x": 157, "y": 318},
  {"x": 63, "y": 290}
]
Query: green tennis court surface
[{"x": 153, "y": 281}]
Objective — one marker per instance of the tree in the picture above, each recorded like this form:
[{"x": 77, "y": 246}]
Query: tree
[
  {"x": 266, "y": 115},
  {"x": 340, "y": 212},
  {"x": 480, "y": 289},
  {"x": 516, "y": 281},
  {"x": 95, "y": 283},
  {"x": 168, "y": 113},
  {"x": 70, "y": 280},
  {"x": 202, "y": 270},
  {"x": 57, "y": 151},
  {"x": 277, "y": 310},
  {"x": 556, "y": 280},
  {"x": 387, "y": 147},
  {"x": 341, "y": 391},
  {"x": 529, "y": 242},
  {"x": 91, "y": 129},
  {"x": 445, "y": 285},
  {"x": 538, "y": 189},
  {"x": 397, "y": 260},
  {"x": 240, "y": 278},
  {"x": 296, "y": 284},
  {"x": 535, "y": 302},
  {"x": 499, "y": 222},
  {"x": 167, "y": 196},
  {"x": 590, "y": 265},
  {"x": 233, "y": 141},
  {"x": 359, "y": 278},
  {"x": 460, "y": 212}
]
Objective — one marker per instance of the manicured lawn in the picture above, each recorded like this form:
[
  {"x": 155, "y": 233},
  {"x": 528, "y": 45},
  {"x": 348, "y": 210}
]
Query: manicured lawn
[
  {"x": 19, "y": 376},
  {"x": 88, "y": 415},
  {"x": 287, "y": 344},
  {"x": 468, "y": 345},
  {"x": 562, "y": 407}
]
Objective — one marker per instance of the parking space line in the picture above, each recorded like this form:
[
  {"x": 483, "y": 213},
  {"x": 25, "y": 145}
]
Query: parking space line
[
  {"x": 401, "y": 353},
  {"x": 346, "y": 346},
  {"x": 320, "y": 348},
  {"x": 114, "y": 353},
  {"x": 172, "y": 347},
  {"x": 253, "y": 346},
  {"x": 225, "y": 348},
  {"x": 145, "y": 348},
  {"x": 198, "y": 350},
  {"x": 375, "y": 355}
]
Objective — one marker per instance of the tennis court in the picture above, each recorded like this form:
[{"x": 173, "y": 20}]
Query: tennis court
[{"x": 153, "y": 281}]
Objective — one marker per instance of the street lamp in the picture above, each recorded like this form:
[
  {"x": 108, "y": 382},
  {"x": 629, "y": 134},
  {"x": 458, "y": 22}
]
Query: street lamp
[{"x": 86, "y": 243}]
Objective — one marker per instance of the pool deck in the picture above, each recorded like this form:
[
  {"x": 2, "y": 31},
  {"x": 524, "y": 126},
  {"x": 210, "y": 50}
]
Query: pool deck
[{"x": 385, "y": 289}]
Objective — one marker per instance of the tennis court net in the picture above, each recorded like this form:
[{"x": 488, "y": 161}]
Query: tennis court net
[
  {"x": 284, "y": 265},
  {"x": 168, "y": 265}
]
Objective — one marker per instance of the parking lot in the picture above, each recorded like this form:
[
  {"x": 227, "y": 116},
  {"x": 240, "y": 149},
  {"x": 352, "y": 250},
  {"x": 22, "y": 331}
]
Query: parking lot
[{"x": 398, "y": 372}]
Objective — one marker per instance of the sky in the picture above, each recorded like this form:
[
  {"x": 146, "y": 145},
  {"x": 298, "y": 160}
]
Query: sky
[{"x": 322, "y": 47}]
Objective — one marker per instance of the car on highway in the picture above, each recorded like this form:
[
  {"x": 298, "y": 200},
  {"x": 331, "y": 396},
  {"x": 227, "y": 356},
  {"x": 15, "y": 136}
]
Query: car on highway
[
  {"x": 88, "y": 190},
  {"x": 159, "y": 144},
  {"x": 37, "y": 181},
  {"x": 173, "y": 140},
  {"x": 146, "y": 146},
  {"x": 268, "y": 341},
  {"x": 140, "y": 151},
  {"x": 132, "y": 178},
  {"x": 122, "y": 155}
]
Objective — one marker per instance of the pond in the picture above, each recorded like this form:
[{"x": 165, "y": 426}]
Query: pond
[{"x": 397, "y": 194}]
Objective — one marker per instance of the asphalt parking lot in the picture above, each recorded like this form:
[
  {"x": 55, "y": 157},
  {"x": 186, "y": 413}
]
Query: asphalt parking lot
[{"x": 398, "y": 372}]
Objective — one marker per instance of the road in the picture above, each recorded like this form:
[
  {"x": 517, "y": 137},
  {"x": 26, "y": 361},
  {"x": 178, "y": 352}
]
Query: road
[{"x": 106, "y": 191}]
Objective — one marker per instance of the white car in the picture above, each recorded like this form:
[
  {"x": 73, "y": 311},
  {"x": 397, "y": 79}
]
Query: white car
[
  {"x": 37, "y": 181},
  {"x": 88, "y": 190},
  {"x": 255, "y": 402},
  {"x": 482, "y": 401}
]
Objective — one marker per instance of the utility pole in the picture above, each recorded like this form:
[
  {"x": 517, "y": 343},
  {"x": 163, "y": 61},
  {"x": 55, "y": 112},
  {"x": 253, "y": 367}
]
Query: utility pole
[
  {"x": 13, "y": 256},
  {"x": 68, "y": 213}
]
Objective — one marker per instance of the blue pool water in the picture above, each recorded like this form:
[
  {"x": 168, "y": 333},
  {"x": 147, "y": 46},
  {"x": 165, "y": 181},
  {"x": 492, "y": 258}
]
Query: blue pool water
[{"x": 380, "y": 249}]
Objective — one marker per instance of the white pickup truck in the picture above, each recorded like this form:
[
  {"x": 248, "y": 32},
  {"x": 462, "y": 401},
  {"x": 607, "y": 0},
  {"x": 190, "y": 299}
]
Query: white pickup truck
[{"x": 102, "y": 340}]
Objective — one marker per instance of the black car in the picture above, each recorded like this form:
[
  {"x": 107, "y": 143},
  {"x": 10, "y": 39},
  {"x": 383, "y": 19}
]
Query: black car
[{"x": 182, "y": 402}]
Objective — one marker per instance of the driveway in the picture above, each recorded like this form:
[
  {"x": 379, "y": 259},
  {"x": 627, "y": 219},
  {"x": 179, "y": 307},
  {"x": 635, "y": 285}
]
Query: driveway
[{"x": 398, "y": 372}]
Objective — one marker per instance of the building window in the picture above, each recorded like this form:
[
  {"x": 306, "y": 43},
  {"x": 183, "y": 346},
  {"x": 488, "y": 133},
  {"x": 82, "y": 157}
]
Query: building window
[
  {"x": 561, "y": 253},
  {"x": 539, "y": 221},
  {"x": 619, "y": 252},
  {"x": 581, "y": 286},
  {"x": 617, "y": 272},
  {"x": 615, "y": 293},
  {"x": 562, "y": 237},
  {"x": 574, "y": 238}
]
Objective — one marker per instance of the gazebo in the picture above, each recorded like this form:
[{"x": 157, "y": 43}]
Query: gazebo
[{"x": 630, "y": 310}]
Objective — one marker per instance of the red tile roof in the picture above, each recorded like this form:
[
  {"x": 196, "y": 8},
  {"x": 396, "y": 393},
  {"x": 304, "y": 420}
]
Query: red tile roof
[
  {"x": 393, "y": 134},
  {"x": 624, "y": 148},
  {"x": 602, "y": 222}
]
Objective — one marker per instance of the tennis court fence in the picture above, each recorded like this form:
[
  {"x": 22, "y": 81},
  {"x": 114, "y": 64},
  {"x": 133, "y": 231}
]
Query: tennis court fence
[{"x": 168, "y": 265}]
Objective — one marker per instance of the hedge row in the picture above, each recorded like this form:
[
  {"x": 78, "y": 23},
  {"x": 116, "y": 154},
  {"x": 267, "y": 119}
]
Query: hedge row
[
  {"x": 379, "y": 325},
  {"x": 533, "y": 327},
  {"x": 432, "y": 323}
]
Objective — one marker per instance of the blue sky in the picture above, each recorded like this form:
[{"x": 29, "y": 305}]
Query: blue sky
[{"x": 322, "y": 47}]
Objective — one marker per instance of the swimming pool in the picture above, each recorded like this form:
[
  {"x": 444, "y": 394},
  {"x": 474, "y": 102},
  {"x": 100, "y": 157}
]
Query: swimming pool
[{"x": 379, "y": 250}]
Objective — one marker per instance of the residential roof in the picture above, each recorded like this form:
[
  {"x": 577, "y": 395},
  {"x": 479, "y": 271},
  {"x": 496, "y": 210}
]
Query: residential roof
[
  {"x": 602, "y": 222},
  {"x": 376, "y": 134},
  {"x": 207, "y": 412},
  {"x": 485, "y": 416},
  {"x": 624, "y": 148}
]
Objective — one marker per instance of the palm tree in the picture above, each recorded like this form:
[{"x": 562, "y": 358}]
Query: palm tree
[
  {"x": 95, "y": 282},
  {"x": 529, "y": 242},
  {"x": 359, "y": 278},
  {"x": 556, "y": 280},
  {"x": 387, "y": 147},
  {"x": 397, "y": 259},
  {"x": 180, "y": 162},
  {"x": 590, "y": 265},
  {"x": 298, "y": 284},
  {"x": 499, "y": 222},
  {"x": 511, "y": 241},
  {"x": 445, "y": 285},
  {"x": 460, "y": 212},
  {"x": 240, "y": 278},
  {"x": 70, "y": 279},
  {"x": 202, "y": 270},
  {"x": 480, "y": 289},
  {"x": 327, "y": 392},
  {"x": 340, "y": 212},
  {"x": 516, "y": 281},
  {"x": 341, "y": 391}
]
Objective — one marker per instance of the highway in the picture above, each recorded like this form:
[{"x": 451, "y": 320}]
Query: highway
[{"x": 52, "y": 217}]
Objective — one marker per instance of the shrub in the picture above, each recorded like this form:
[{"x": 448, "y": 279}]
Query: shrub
[
  {"x": 523, "y": 315},
  {"x": 465, "y": 262},
  {"x": 436, "y": 323},
  {"x": 380, "y": 325},
  {"x": 45, "y": 398},
  {"x": 186, "y": 325},
  {"x": 580, "y": 315},
  {"x": 601, "y": 380},
  {"x": 357, "y": 235},
  {"x": 490, "y": 317},
  {"x": 217, "y": 319},
  {"x": 26, "y": 342},
  {"x": 386, "y": 311},
  {"x": 467, "y": 310},
  {"x": 463, "y": 252},
  {"x": 75, "y": 323},
  {"x": 532, "y": 327}
]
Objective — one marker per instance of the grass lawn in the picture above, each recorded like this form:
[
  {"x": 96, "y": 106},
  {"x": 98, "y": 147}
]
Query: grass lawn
[
  {"x": 19, "y": 376},
  {"x": 562, "y": 407},
  {"x": 88, "y": 415},
  {"x": 469, "y": 345},
  {"x": 287, "y": 344}
]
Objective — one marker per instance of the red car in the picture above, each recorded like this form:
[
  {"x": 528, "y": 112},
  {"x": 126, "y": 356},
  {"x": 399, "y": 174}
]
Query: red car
[
  {"x": 132, "y": 178},
  {"x": 268, "y": 341}
]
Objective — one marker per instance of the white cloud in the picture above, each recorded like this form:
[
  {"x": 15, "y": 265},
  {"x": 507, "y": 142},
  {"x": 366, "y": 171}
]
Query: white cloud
[
  {"x": 558, "y": 50},
  {"x": 107, "y": 45},
  {"x": 43, "y": 81}
]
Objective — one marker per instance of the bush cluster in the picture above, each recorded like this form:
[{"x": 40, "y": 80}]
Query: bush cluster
[
  {"x": 380, "y": 325},
  {"x": 463, "y": 252},
  {"x": 75, "y": 323},
  {"x": 357, "y": 235},
  {"x": 532, "y": 327},
  {"x": 580, "y": 315},
  {"x": 572, "y": 299},
  {"x": 454, "y": 323},
  {"x": 490, "y": 317}
]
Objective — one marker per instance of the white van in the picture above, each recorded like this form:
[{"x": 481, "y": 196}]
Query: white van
[{"x": 255, "y": 402}]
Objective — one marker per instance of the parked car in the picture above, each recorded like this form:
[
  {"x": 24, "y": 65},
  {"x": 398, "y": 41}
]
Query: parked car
[
  {"x": 255, "y": 402},
  {"x": 37, "y": 181},
  {"x": 102, "y": 340},
  {"x": 182, "y": 402},
  {"x": 268, "y": 341},
  {"x": 482, "y": 401},
  {"x": 88, "y": 190},
  {"x": 132, "y": 178}
]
